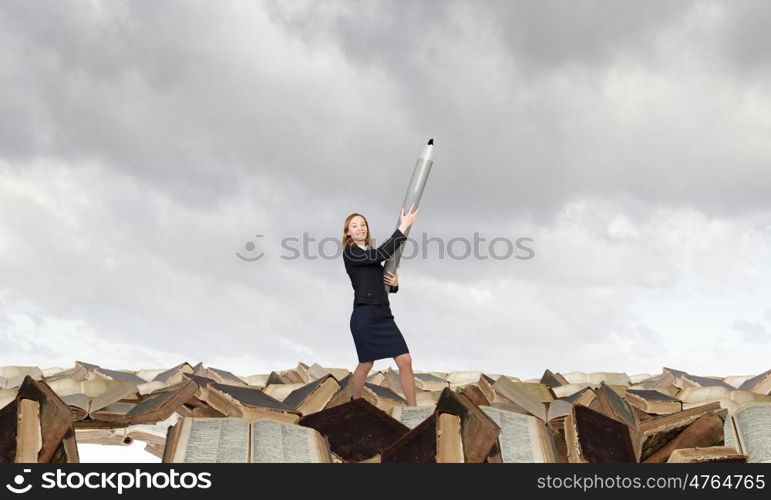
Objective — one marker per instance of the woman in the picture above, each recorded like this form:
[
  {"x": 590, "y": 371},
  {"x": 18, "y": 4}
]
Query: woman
[{"x": 375, "y": 333}]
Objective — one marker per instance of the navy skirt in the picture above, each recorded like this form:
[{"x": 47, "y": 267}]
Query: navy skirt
[{"x": 375, "y": 333}]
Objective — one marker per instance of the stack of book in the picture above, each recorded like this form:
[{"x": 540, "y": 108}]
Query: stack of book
[{"x": 195, "y": 413}]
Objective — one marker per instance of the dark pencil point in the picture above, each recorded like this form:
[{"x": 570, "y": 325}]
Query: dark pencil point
[{"x": 431, "y": 142}]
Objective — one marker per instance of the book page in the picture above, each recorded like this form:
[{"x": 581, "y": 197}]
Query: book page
[
  {"x": 610, "y": 378},
  {"x": 703, "y": 394},
  {"x": 274, "y": 442},
  {"x": 158, "y": 429},
  {"x": 558, "y": 408},
  {"x": 65, "y": 386},
  {"x": 753, "y": 423},
  {"x": 576, "y": 377},
  {"x": 538, "y": 391},
  {"x": 729, "y": 434},
  {"x": 518, "y": 438},
  {"x": 7, "y": 395},
  {"x": 749, "y": 397},
  {"x": 29, "y": 439},
  {"x": 149, "y": 387},
  {"x": 79, "y": 400},
  {"x": 117, "y": 410},
  {"x": 412, "y": 416},
  {"x": 220, "y": 440},
  {"x": 113, "y": 394},
  {"x": 10, "y": 372},
  {"x": 517, "y": 394},
  {"x": 569, "y": 389},
  {"x": 463, "y": 377},
  {"x": 281, "y": 391},
  {"x": 98, "y": 385}
]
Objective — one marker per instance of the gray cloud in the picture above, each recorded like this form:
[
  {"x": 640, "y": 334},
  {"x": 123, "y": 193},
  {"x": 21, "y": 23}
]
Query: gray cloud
[
  {"x": 522, "y": 94},
  {"x": 144, "y": 143},
  {"x": 745, "y": 41},
  {"x": 752, "y": 331}
]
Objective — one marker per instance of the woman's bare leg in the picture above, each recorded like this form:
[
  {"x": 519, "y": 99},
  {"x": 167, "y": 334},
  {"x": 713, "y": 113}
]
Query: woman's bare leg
[
  {"x": 359, "y": 375},
  {"x": 404, "y": 362}
]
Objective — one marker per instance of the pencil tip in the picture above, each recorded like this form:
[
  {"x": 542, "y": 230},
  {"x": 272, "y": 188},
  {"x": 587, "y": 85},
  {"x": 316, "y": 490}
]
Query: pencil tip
[{"x": 431, "y": 142}]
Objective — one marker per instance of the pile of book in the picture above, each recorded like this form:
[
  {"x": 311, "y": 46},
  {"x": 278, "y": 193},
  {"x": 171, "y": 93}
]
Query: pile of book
[{"x": 307, "y": 414}]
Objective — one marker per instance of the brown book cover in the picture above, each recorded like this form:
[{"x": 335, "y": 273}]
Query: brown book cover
[
  {"x": 707, "y": 430},
  {"x": 583, "y": 397},
  {"x": 475, "y": 394},
  {"x": 760, "y": 384},
  {"x": 478, "y": 431},
  {"x": 651, "y": 401},
  {"x": 159, "y": 405},
  {"x": 224, "y": 376},
  {"x": 8, "y": 419},
  {"x": 654, "y": 433},
  {"x": 385, "y": 392},
  {"x": 595, "y": 438},
  {"x": 314, "y": 395},
  {"x": 277, "y": 378},
  {"x": 55, "y": 415},
  {"x": 417, "y": 446},
  {"x": 174, "y": 375},
  {"x": 551, "y": 379},
  {"x": 611, "y": 405},
  {"x": 356, "y": 430},
  {"x": 250, "y": 396}
]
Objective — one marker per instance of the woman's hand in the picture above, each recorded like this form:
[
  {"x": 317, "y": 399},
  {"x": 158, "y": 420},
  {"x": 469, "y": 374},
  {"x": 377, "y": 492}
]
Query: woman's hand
[
  {"x": 408, "y": 218},
  {"x": 391, "y": 279}
]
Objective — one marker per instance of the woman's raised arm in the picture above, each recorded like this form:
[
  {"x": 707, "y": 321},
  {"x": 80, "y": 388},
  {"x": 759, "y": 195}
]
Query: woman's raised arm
[{"x": 356, "y": 256}]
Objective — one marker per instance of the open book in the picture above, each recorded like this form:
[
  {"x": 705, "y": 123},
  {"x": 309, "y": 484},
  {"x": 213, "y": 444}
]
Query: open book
[
  {"x": 749, "y": 431},
  {"x": 412, "y": 416},
  {"x": 523, "y": 438},
  {"x": 235, "y": 440},
  {"x": 84, "y": 406}
]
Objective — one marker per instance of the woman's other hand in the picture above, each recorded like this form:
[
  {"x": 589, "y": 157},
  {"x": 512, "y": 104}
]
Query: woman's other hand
[
  {"x": 391, "y": 279},
  {"x": 407, "y": 219}
]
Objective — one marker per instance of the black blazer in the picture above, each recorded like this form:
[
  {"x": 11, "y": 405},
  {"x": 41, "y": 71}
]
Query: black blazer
[{"x": 365, "y": 269}]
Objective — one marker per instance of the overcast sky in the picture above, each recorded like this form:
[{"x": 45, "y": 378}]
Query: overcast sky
[{"x": 144, "y": 144}]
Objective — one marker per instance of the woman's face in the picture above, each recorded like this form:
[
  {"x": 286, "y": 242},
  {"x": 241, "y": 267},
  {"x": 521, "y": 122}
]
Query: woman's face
[{"x": 357, "y": 229}]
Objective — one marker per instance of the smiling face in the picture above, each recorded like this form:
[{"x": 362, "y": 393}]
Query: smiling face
[{"x": 357, "y": 229}]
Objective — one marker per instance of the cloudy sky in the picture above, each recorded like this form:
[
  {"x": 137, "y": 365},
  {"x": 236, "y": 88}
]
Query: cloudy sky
[{"x": 144, "y": 144}]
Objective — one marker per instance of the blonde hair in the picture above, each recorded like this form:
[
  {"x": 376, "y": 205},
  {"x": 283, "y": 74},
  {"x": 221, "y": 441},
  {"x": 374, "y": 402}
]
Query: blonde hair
[{"x": 346, "y": 239}]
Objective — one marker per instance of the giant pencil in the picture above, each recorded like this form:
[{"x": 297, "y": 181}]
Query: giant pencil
[{"x": 414, "y": 193}]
